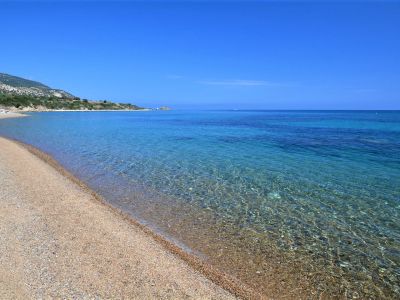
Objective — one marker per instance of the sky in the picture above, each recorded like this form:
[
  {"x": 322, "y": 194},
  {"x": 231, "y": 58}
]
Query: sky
[{"x": 209, "y": 55}]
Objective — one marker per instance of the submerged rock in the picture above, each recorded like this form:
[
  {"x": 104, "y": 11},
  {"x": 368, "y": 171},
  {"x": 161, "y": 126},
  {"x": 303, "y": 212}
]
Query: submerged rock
[{"x": 274, "y": 196}]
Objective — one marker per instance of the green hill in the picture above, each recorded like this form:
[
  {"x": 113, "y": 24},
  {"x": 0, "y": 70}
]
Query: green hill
[
  {"x": 21, "y": 82},
  {"x": 20, "y": 86},
  {"x": 20, "y": 93}
]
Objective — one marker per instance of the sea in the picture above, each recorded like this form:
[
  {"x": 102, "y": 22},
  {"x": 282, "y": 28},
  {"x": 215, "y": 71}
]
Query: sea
[{"x": 295, "y": 204}]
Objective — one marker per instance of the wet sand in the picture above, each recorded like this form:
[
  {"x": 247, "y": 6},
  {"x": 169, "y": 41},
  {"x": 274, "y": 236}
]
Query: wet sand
[{"x": 58, "y": 240}]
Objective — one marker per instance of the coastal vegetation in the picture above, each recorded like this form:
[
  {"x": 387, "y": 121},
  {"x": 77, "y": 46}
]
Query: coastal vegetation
[
  {"x": 30, "y": 102},
  {"x": 18, "y": 93}
]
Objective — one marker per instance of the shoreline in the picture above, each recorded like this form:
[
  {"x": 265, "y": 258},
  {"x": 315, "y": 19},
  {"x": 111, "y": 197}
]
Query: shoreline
[
  {"x": 219, "y": 278},
  {"x": 278, "y": 256},
  {"x": 11, "y": 114},
  {"x": 22, "y": 111},
  {"x": 93, "y": 110}
]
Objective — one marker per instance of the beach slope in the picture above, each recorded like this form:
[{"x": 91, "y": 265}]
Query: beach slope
[
  {"x": 4, "y": 115},
  {"x": 58, "y": 241}
]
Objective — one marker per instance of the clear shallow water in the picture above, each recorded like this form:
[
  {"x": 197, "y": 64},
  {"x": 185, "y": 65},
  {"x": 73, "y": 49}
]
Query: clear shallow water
[{"x": 301, "y": 204}]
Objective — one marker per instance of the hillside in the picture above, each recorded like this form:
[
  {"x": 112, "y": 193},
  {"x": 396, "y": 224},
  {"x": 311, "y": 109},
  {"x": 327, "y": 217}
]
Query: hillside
[
  {"x": 17, "y": 93},
  {"x": 20, "y": 86}
]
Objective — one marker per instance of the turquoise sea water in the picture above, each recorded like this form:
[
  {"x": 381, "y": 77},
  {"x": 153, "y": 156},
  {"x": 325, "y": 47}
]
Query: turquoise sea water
[{"x": 294, "y": 203}]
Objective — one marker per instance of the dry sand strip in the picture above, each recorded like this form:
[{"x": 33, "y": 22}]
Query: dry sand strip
[
  {"x": 11, "y": 115},
  {"x": 58, "y": 241}
]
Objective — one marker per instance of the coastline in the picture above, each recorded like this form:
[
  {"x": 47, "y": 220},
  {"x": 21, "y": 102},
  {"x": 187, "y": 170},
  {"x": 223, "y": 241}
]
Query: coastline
[
  {"x": 21, "y": 112},
  {"x": 11, "y": 114},
  {"x": 93, "y": 110},
  {"x": 298, "y": 267},
  {"x": 218, "y": 282}
]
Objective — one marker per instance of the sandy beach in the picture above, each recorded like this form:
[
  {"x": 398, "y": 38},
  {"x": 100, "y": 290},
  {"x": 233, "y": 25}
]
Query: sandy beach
[
  {"x": 58, "y": 241},
  {"x": 9, "y": 114}
]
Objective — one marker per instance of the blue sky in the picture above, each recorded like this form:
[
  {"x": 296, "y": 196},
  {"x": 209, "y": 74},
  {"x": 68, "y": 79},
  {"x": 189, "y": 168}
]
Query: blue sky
[{"x": 234, "y": 55}]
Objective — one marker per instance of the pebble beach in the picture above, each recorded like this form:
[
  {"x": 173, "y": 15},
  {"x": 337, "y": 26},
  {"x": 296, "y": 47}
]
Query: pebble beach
[{"x": 58, "y": 241}]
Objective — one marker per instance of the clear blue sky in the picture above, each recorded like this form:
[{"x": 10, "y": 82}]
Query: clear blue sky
[{"x": 209, "y": 55}]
